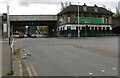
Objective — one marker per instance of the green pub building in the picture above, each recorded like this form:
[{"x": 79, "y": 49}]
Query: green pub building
[{"x": 93, "y": 21}]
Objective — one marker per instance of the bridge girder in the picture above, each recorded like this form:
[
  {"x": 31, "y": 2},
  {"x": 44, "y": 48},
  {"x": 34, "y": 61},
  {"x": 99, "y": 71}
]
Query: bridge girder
[{"x": 33, "y": 23}]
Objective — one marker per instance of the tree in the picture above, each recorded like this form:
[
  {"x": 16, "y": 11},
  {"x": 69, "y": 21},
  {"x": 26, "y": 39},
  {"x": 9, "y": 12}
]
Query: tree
[
  {"x": 62, "y": 6},
  {"x": 117, "y": 11},
  {"x": 104, "y": 6},
  {"x": 65, "y": 5},
  {"x": 117, "y": 14}
]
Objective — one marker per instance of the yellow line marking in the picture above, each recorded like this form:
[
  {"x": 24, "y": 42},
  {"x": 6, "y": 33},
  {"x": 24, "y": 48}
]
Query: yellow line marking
[
  {"x": 35, "y": 73},
  {"x": 29, "y": 72}
]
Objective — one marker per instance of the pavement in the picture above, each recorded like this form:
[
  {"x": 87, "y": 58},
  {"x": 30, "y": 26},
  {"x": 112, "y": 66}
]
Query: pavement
[
  {"x": 70, "y": 57},
  {"x": 6, "y": 60}
]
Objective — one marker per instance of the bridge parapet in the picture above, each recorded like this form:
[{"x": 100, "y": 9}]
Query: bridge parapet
[{"x": 33, "y": 17}]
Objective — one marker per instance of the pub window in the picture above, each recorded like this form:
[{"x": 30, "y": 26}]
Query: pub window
[
  {"x": 108, "y": 28},
  {"x": 88, "y": 29},
  {"x": 69, "y": 28},
  {"x": 63, "y": 20},
  {"x": 106, "y": 20},
  {"x": 63, "y": 28},
  {"x": 95, "y": 28},
  {"x": 68, "y": 19},
  {"x": 83, "y": 29},
  {"x": 103, "y": 28},
  {"x": 100, "y": 29},
  {"x": 77, "y": 28},
  {"x": 92, "y": 28}
]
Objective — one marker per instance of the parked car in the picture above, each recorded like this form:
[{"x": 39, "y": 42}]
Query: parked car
[
  {"x": 21, "y": 35},
  {"x": 34, "y": 35}
]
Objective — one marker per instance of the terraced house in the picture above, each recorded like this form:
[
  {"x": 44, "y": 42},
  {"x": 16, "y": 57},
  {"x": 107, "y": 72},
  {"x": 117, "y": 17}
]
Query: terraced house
[{"x": 93, "y": 21}]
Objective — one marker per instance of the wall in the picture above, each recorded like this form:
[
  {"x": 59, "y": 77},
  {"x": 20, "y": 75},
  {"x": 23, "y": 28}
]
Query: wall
[
  {"x": 0, "y": 26},
  {"x": 116, "y": 21}
]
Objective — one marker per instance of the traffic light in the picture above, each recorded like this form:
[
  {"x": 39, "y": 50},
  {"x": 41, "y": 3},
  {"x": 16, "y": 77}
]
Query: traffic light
[{"x": 4, "y": 18}]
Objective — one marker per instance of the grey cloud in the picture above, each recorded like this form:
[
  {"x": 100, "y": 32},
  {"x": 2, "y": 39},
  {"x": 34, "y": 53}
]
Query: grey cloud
[
  {"x": 108, "y": 5},
  {"x": 7, "y": 1},
  {"x": 48, "y": 1},
  {"x": 55, "y": 2},
  {"x": 23, "y": 4}
]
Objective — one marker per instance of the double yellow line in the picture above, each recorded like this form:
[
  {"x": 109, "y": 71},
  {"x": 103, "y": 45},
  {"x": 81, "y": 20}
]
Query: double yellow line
[{"x": 31, "y": 70}]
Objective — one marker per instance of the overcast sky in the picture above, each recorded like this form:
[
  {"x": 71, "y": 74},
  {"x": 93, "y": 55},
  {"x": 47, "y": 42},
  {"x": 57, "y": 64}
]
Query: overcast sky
[{"x": 33, "y": 7}]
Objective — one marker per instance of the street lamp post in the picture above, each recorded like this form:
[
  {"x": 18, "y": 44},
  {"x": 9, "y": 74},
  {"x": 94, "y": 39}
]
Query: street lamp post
[
  {"x": 8, "y": 23},
  {"x": 78, "y": 21},
  {"x": 12, "y": 44}
]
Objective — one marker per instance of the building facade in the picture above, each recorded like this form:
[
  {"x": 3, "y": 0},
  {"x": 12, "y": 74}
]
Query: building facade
[{"x": 93, "y": 21}]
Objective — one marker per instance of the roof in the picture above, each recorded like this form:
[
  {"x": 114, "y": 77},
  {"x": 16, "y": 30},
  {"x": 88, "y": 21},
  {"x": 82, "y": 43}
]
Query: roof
[{"x": 90, "y": 10}]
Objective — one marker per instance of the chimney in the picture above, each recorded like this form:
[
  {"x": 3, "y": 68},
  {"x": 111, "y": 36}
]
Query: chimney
[
  {"x": 85, "y": 7},
  {"x": 95, "y": 8}
]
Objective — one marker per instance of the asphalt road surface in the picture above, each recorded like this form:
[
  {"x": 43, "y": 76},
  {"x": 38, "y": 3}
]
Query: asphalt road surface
[{"x": 70, "y": 57}]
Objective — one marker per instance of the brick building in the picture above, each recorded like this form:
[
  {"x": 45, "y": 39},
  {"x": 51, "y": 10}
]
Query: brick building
[{"x": 93, "y": 21}]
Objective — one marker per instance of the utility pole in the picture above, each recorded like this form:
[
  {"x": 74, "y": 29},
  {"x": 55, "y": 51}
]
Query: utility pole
[
  {"x": 12, "y": 44},
  {"x": 8, "y": 23},
  {"x": 78, "y": 21},
  {"x": 12, "y": 50}
]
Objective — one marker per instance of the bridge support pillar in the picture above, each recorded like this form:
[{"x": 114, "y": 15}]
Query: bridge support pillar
[{"x": 52, "y": 31}]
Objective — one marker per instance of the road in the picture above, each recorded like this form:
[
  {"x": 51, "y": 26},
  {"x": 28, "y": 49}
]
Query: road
[{"x": 71, "y": 57}]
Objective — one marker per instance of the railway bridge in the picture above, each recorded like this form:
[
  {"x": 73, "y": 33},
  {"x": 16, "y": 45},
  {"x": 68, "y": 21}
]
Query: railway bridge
[{"x": 36, "y": 20}]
